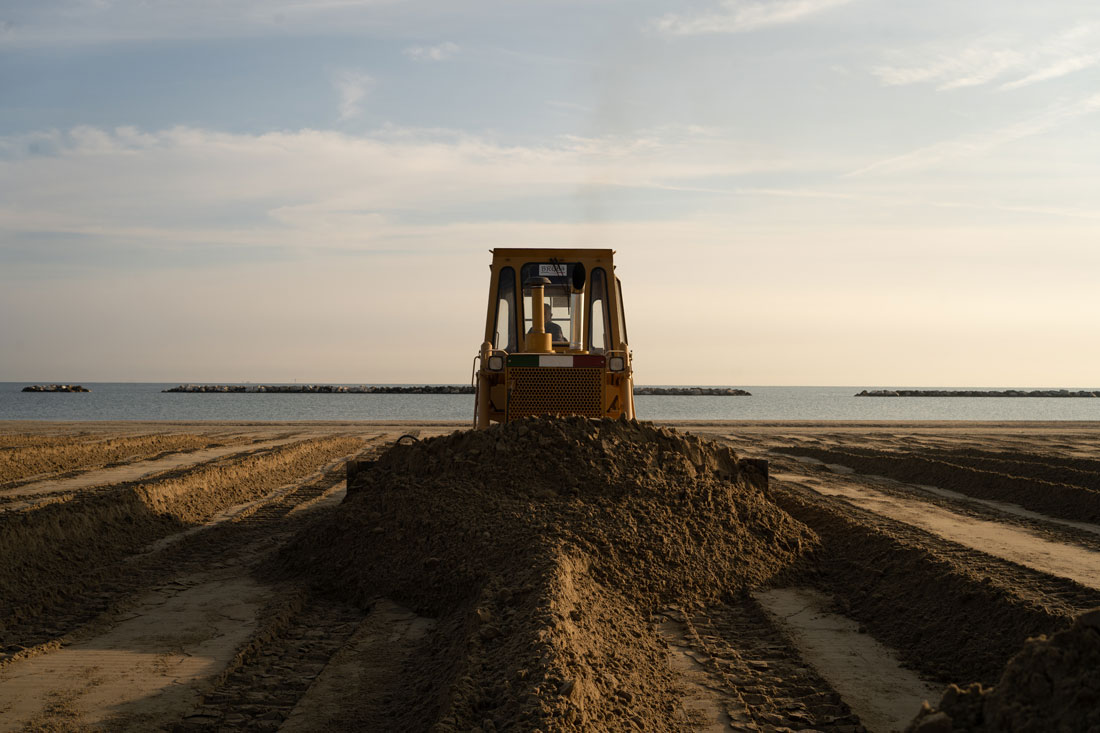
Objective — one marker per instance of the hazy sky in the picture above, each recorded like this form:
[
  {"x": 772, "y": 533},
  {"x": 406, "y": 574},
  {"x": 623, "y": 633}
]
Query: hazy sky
[{"x": 856, "y": 192}]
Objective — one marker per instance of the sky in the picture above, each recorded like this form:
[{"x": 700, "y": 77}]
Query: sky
[{"x": 799, "y": 192}]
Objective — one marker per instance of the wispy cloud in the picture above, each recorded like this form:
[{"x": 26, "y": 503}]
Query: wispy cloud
[
  {"x": 992, "y": 59},
  {"x": 1058, "y": 68},
  {"x": 918, "y": 201},
  {"x": 353, "y": 87},
  {"x": 739, "y": 16},
  {"x": 125, "y": 184},
  {"x": 972, "y": 145},
  {"x": 439, "y": 52}
]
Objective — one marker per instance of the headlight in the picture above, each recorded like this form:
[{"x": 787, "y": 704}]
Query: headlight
[
  {"x": 616, "y": 363},
  {"x": 496, "y": 363}
]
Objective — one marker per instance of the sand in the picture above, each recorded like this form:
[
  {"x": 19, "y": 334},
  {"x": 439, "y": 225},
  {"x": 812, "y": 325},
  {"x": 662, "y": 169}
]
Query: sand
[{"x": 578, "y": 576}]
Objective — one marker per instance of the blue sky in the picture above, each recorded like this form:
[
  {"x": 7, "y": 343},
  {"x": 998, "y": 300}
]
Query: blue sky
[{"x": 851, "y": 192}]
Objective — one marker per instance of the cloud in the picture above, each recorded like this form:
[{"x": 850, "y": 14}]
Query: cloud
[
  {"x": 343, "y": 227},
  {"x": 879, "y": 200},
  {"x": 353, "y": 87},
  {"x": 1058, "y": 68},
  {"x": 182, "y": 185},
  {"x": 987, "y": 60},
  {"x": 739, "y": 16},
  {"x": 440, "y": 52},
  {"x": 972, "y": 145}
]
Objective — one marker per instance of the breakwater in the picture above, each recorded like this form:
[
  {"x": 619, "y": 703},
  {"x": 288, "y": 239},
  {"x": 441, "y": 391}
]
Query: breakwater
[
  {"x": 320, "y": 389},
  {"x": 56, "y": 388},
  {"x": 977, "y": 393},
  {"x": 692, "y": 391},
  {"x": 412, "y": 389}
]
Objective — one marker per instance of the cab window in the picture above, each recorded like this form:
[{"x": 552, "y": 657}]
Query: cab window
[
  {"x": 563, "y": 307},
  {"x": 622, "y": 312},
  {"x": 504, "y": 336},
  {"x": 599, "y": 330}
]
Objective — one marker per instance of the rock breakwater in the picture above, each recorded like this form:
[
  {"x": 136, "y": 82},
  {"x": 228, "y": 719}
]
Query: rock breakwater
[
  {"x": 56, "y": 388},
  {"x": 692, "y": 391},
  {"x": 319, "y": 389},
  {"x": 977, "y": 393}
]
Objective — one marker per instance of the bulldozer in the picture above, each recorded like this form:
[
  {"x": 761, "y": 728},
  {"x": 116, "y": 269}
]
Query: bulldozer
[
  {"x": 555, "y": 338},
  {"x": 555, "y": 344},
  {"x": 555, "y": 341}
]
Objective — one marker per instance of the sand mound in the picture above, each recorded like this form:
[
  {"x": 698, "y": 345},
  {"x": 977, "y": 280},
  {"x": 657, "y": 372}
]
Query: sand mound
[
  {"x": 1053, "y": 683},
  {"x": 543, "y": 546}
]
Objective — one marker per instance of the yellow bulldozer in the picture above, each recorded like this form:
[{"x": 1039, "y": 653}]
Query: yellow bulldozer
[
  {"x": 555, "y": 341},
  {"x": 555, "y": 338}
]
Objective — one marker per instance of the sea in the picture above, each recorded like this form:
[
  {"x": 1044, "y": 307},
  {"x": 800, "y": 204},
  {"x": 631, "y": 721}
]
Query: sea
[{"x": 147, "y": 401}]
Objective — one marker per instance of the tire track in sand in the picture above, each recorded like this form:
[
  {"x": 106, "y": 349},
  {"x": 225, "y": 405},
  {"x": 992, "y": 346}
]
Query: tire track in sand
[
  {"x": 35, "y": 462},
  {"x": 20, "y": 496},
  {"x": 950, "y": 611},
  {"x": 149, "y": 662},
  {"x": 79, "y": 574},
  {"x": 1008, "y": 542}
]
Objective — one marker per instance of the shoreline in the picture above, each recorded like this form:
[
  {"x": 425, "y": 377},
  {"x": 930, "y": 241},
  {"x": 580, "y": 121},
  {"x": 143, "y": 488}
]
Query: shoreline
[{"x": 10, "y": 425}]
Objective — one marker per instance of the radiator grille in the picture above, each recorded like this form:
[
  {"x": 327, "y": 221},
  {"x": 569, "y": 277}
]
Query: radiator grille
[{"x": 554, "y": 391}]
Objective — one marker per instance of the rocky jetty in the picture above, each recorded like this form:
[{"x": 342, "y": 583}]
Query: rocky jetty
[
  {"x": 56, "y": 388},
  {"x": 692, "y": 391},
  {"x": 977, "y": 393},
  {"x": 318, "y": 389}
]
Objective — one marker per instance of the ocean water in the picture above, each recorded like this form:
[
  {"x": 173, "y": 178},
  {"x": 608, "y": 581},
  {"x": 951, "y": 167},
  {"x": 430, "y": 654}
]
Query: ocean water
[{"x": 145, "y": 401}]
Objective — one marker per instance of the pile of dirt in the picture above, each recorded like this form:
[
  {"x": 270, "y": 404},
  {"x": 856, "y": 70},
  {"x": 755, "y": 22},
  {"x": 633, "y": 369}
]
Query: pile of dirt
[
  {"x": 1052, "y": 684},
  {"x": 543, "y": 546}
]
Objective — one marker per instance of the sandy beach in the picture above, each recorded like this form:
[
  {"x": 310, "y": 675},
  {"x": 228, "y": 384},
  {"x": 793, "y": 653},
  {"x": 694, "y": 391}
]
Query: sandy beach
[{"x": 579, "y": 576}]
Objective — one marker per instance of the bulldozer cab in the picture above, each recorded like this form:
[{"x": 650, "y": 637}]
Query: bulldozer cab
[{"x": 555, "y": 337}]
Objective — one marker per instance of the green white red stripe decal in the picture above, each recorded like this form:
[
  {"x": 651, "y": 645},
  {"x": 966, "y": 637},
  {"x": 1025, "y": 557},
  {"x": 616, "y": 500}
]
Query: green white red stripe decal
[{"x": 556, "y": 360}]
